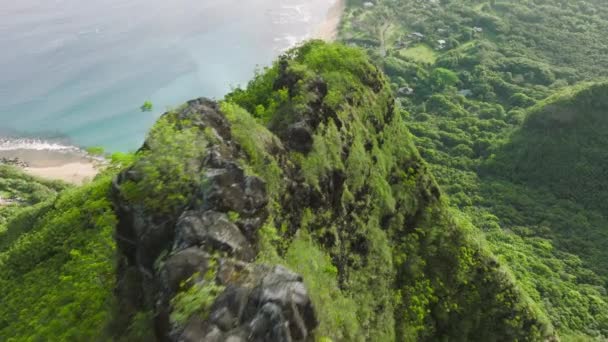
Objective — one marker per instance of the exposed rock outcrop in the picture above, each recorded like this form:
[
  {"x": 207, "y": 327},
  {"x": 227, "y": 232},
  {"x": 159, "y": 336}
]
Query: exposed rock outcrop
[
  {"x": 312, "y": 164},
  {"x": 211, "y": 240}
]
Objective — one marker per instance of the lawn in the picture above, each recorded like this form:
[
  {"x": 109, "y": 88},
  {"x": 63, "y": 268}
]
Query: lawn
[{"x": 420, "y": 53}]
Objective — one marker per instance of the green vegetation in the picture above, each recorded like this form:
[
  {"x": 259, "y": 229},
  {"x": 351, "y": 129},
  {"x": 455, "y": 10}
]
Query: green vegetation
[
  {"x": 419, "y": 53},
  {"x": 58, "y": 272},
  {"x": 198, "y": 297},
  {"x": 471, "y": 207},
  {"x": 19, "y": 191},
  {"x": 147, "y": 106},
  {"x": 167, "y": 176},
  {"x": 516, "y": 147},
  {"x": 95, "y": 151},
  {"x": 307, "y": 258},
  {"x": 381, "y": 246}
]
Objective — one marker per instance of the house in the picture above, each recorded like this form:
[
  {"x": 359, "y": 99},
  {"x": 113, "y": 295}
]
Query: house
[
  {"x": 416, "y": 35},
  {"x": 368, "y": 4},
  {"x": 441, "y": 43},
  {"x": 405, "y": 91}
]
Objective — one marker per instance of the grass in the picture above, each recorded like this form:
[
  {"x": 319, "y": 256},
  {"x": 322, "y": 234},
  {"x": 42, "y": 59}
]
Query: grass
[{"x": 420, "y": 53}]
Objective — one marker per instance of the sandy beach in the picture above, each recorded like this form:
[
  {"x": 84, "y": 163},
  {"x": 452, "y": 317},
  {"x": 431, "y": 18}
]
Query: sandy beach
[
  {"x": 74, "y": 173},
  {"x": 328, "y": 30},
  {"x": 73, "y": 167}
]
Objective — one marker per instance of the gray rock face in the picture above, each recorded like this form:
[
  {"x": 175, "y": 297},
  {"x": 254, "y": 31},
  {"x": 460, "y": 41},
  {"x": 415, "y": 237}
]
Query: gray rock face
[
  {"x": 229, "y": 189},
  {"x": 212, "y": 229},
  {"x": 164, "y": 254},
  {"x": 299, "y": 137},
  {"x": 265, "y": 304},
  {"x": 181, "y": 265}
]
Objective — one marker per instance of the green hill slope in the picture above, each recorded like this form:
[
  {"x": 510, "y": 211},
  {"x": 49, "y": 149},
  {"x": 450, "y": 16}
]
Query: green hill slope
[
  {"x": 20, "y": 196},
  {"x": 555, "y": 167},
  {"x": 310, "y": 167},
  {"x": 540, "y": 203},
  {"x": 562, "y": 147}
]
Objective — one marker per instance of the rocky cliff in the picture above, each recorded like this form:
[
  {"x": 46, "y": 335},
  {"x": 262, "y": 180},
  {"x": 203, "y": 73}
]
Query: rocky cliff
[{"x": 298, "y": 209}]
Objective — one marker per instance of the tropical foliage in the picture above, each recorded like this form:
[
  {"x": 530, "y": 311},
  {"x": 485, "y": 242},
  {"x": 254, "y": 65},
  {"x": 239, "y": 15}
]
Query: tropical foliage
[{"x": 514, "y": 144}]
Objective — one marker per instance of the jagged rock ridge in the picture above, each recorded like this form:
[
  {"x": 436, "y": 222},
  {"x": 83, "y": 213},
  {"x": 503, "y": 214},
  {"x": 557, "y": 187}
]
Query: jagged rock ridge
[
  {"x": 324, "y": 180},
  {"x": 259, "y": 302}
]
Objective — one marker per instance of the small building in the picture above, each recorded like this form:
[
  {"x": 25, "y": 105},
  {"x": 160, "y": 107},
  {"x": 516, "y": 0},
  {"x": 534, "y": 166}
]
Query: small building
[
  {"x": 368, "y": 4},
  {"x": 441, "y": 43},
  {"x": 416, "y": 35},
  {"x": 407, "y": 91}
]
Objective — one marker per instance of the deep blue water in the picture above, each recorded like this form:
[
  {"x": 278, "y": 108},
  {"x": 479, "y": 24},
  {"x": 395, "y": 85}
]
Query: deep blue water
[{"x": 81, "y": 69}]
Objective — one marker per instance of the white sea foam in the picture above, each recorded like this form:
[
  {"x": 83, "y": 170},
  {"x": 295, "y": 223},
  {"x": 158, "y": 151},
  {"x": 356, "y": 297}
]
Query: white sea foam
[
  {"x": 287, "y": 42},
  {"x": 12, "y": 144}
]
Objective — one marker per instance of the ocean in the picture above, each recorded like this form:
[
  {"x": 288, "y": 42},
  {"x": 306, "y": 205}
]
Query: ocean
[{"x": 76, "y": 72}]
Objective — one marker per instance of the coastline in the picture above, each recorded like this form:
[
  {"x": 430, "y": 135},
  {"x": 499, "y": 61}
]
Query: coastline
[
  {"x": 328, "y": 30},
  {"x": 74, "y": 166}
]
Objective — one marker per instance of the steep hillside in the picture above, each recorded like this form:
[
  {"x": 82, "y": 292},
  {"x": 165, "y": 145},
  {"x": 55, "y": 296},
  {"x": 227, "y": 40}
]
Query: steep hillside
[
  {"x": 57, "y": 268},
  {"x": 558, "y": 159},
  {"x": 310, "y": 167},
  {"x": 19, "y": 195},
  {"x": 331, "y": 188},
  {"x": 562, "y": 147},
  {"x": 469, "y": 73}
]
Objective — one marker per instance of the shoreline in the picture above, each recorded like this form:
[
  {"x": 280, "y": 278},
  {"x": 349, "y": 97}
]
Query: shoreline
[
  {"x": 77, "y": 167},
  {"x": 74, "y": 167},
  {"x": 73, "y": 173},
  {"x": 328, "y": 29}
]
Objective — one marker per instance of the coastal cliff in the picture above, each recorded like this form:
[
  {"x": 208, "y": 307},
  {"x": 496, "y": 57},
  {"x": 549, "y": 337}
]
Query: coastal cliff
[
  {"x": 312, "y": 217},
  {"x": 296, "y": 209}
]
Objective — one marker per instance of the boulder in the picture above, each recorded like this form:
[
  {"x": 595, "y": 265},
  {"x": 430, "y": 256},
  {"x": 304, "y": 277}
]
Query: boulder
[
  {"x": 261, "y": 303},
  {"x": 213, "y": 231},
  {"x": 229, "y": 189},
  {"x": 161, "y": 251},
  {"x": 182, "y": 265},
  {"x": 299, "y": 137}
]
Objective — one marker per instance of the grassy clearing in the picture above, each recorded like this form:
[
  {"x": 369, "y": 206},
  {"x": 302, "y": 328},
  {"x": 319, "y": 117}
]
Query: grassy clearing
[{"x": 420, "y": 53}]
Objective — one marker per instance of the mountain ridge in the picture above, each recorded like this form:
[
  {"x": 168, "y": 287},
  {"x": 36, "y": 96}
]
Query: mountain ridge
[{"x": 335, "y": 193}]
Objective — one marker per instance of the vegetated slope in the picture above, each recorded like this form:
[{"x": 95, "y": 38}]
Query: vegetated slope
[
  {"x": 497, "y": 60},
  {"x": 561, "y": 151},
  {"x": 20, "y": 194},
  {"x": 562, "y": 147},
  {"x": 310, "y": 167},
  {"x": 331, "y": 187},
  {"x": 57, "y": 267}
]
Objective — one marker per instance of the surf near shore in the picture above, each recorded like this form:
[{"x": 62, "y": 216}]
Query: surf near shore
[
  {"x": 49, "y": 160},
  {"x": 328, "y": 30}
]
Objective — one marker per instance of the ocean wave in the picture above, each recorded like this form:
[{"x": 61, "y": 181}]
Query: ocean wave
[
  {"x": 12, "y": 144},
  {"x": 287, "y": 42}
]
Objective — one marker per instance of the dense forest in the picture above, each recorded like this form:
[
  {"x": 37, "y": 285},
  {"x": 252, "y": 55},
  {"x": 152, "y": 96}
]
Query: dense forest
[
  {"x": 501, "y": 100},
  {"x": 439, "y": 174}
]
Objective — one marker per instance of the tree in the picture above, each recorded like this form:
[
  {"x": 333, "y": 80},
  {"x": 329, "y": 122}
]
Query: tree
[
  {"x": 147, "y": 106},
  {"x": 443, "y": 78}
]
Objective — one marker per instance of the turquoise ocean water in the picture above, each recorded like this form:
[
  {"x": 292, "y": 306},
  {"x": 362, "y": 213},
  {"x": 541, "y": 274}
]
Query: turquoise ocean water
[{"x": 76, "y": 72}]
